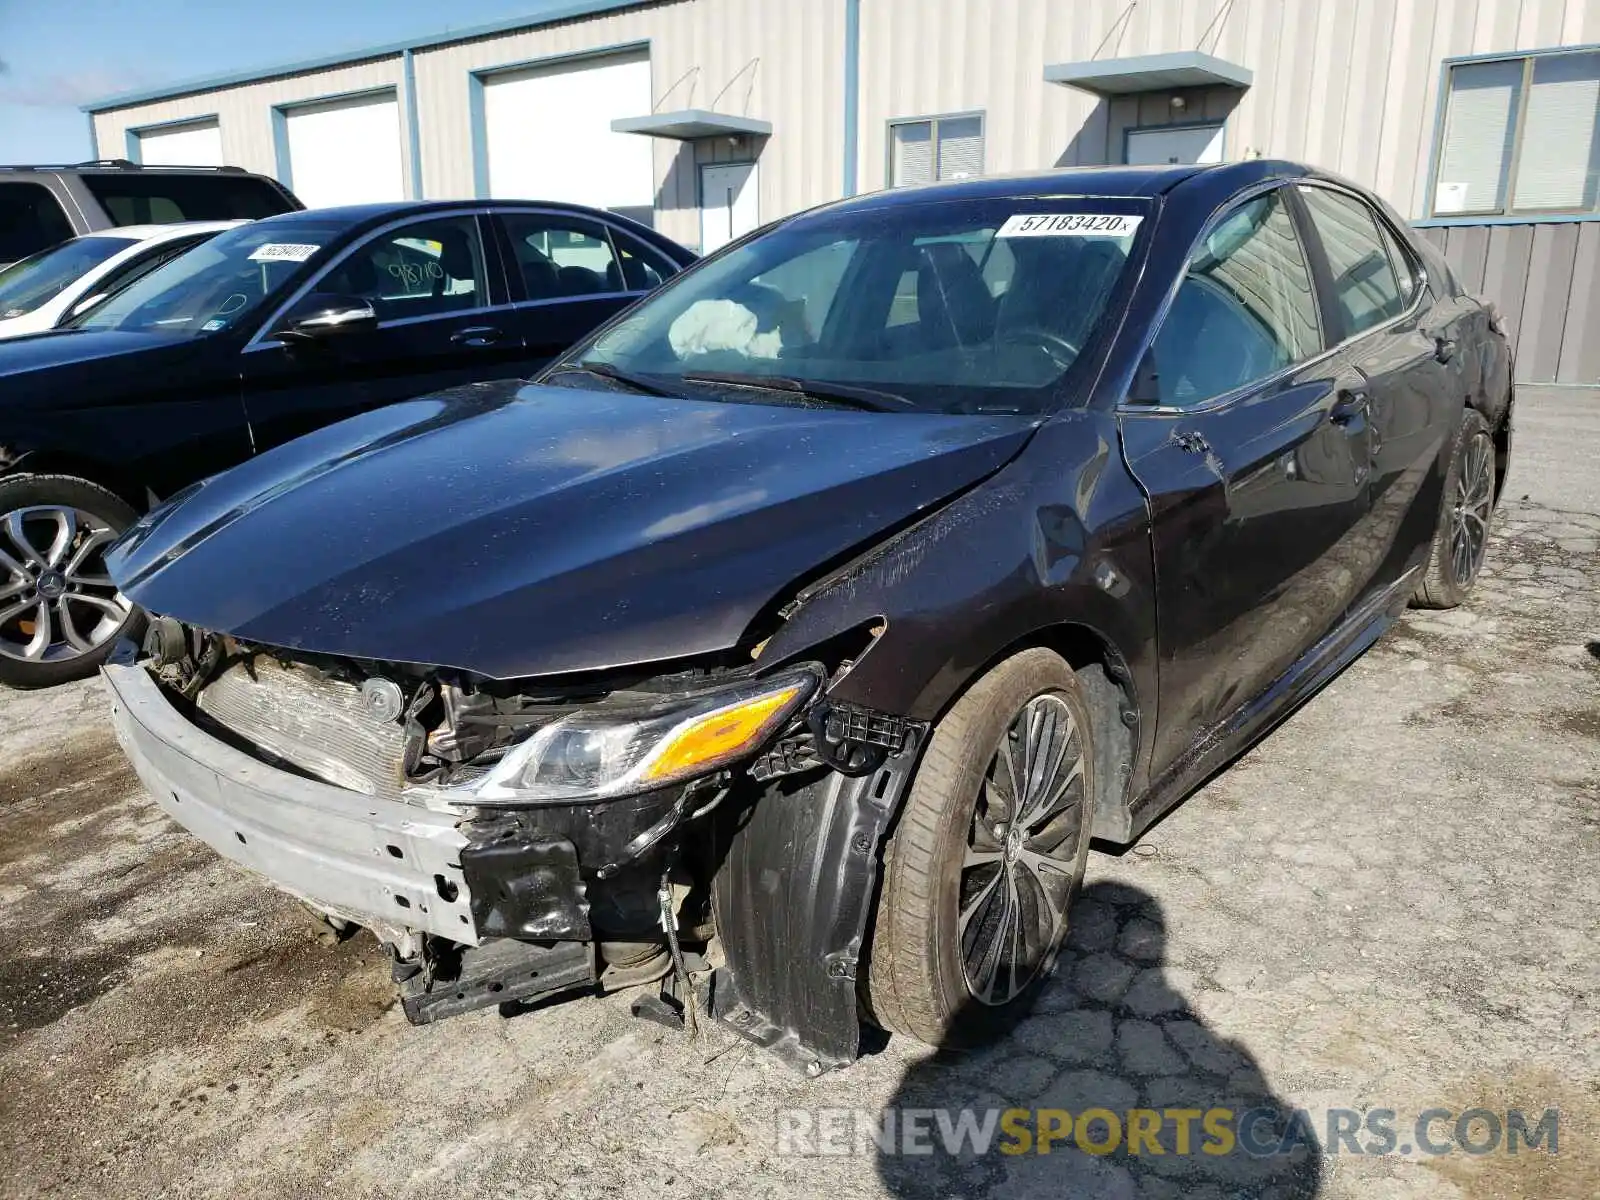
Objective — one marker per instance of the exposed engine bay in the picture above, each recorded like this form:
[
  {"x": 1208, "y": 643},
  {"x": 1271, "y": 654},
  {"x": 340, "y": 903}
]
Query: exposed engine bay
[{"x": 699, "y": 828}]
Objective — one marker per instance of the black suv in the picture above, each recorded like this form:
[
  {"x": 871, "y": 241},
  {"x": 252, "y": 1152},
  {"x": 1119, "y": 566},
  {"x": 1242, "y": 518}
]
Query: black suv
[{"x": 40, "y": 206}]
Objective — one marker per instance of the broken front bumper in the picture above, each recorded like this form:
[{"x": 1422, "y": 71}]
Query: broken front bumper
[{"x": 393, "y": 867}]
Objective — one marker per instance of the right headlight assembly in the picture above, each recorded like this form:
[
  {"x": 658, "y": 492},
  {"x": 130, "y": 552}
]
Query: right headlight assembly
[{"x": 597, "y": 756}]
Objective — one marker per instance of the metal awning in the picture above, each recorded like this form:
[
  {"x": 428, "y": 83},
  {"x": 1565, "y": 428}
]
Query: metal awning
[
  {"x": 687, "y": 124},
  {"x": 1149, "y": 73}
]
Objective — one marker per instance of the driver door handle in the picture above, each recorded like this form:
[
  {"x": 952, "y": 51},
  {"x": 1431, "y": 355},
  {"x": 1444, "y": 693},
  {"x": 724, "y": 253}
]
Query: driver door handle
[{"x": 476, "y": 335}]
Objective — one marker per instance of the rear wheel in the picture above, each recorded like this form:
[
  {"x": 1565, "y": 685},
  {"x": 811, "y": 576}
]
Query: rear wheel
[
  {"x": 1462, "y": 534},
  {"x": 60, "y": 614},
  {"x": 987, "y": 857}
]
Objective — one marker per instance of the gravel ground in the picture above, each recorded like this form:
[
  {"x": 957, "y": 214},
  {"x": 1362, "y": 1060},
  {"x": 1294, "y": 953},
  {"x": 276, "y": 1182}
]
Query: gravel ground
[{"x": 1389, "y": 903}]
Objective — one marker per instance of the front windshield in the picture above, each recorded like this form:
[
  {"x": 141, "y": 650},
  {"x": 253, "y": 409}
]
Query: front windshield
[
  {"x": 954, "y": 306},
  {"x": 216, "y": 285},
  {"x": 35, "y": 281}
]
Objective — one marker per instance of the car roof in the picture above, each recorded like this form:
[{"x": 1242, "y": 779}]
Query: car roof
[
  {"x": 358, "y": 214},
  {"x": 116, "y": 166},
  {"x": 163, "y": 232},
  {"x": 1124, "y": 181}
]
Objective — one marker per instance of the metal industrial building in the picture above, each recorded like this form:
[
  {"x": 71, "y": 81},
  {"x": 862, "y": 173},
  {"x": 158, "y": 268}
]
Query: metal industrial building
[{"x": 1479, "y": 119}]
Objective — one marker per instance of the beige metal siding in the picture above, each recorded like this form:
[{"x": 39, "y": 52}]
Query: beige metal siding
[
  {"x": 1347, "y": 84},
  {"x": 779, "y": 60},
  {"x": 245, "y": 111}
]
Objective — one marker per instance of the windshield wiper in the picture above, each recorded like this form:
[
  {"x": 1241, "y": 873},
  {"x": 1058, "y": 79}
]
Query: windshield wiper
[
  {"x": 867, "y": 399},
  {"x": 606, "y": 371}
]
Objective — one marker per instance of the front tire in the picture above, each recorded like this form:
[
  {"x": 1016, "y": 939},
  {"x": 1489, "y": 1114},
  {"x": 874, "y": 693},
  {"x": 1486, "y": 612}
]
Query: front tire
[
  {"x": 1461, "y": 537},
  {"x": 977, "y": 887},
  {"x": 60, "y": 614}
]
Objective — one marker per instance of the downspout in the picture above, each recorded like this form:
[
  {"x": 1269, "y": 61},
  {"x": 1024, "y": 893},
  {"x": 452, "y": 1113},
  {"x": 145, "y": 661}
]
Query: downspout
[
  {"x": 852, "y": 91},
  {"x": 408, "y": 72}
]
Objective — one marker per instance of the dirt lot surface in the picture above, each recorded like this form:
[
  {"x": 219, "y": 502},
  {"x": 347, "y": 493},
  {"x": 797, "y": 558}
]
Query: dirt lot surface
[{"x": 1390, "y": 903}]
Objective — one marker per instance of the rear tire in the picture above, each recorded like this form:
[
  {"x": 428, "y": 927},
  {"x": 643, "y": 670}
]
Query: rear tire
[
  {"x": 958, "y": 863},
  {"x": 1460, "y": 538},
  {"x": 60, "y": 615}
]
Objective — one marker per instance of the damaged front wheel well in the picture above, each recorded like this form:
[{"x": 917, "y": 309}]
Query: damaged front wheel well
[{"x": 1114, "y": 708}]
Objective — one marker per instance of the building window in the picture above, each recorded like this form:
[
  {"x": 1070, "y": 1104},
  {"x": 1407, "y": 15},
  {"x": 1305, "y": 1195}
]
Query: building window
[
  {"x": 1521, "y": 135},
  {"x": 936, "y": 148}
]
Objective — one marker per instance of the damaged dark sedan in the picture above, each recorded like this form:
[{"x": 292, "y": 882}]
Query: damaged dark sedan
[{"x": 782, "y": 647}]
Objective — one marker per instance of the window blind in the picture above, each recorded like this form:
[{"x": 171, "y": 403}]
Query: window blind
[
  {"x": 961, "y": 148},
  {"x": 1480, "y": 122},
  {"x": 913, "y": 153},
  {"x": 1557, "y": 166}
]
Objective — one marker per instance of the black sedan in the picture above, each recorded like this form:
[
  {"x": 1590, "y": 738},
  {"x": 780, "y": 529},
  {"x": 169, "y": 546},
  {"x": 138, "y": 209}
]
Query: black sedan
[
  {"x": 265, "y": 333},
  {"x": 791, "y": 638}
]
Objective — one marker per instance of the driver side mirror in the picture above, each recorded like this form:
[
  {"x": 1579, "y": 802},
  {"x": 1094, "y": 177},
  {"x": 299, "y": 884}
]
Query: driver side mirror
[{"x": 324, "y": 315}]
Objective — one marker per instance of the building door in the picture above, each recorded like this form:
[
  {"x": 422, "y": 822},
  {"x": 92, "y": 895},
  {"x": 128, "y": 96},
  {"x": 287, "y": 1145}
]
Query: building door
[
  {"x": 345, "y": 151},
  {"x": 547, "y": 134},
  {"x": 196, "y": 145},
  {"x": 1159, "y": 145},
  {"x": 729, "y": 207}
]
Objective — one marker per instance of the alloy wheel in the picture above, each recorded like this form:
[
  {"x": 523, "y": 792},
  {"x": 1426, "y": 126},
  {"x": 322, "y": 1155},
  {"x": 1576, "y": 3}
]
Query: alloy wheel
[
  {"x": 1469, "y": 527},
  {"x": 57, "y": 601},
  {"x": 1018, "y": 872}
]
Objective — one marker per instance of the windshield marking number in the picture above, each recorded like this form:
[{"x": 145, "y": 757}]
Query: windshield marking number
[
  {"x": 283, "y": 252},
  {"x": 1069, "y": 225}
]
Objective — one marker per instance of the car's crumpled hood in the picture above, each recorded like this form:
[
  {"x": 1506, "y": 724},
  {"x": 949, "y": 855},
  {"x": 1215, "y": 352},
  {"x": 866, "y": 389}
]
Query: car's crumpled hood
[{"x": 523, "y": 532}]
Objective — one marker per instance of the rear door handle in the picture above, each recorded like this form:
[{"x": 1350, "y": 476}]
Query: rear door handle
[
  {"x": 476, "y": 335},
  {"x": 1349, "y": 405},
  {"x": 1444, "y": 349}
]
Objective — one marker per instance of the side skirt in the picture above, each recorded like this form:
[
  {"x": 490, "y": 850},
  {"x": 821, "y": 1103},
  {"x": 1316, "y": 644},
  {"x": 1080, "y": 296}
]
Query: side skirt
[{"x": 1219, "y": 745}]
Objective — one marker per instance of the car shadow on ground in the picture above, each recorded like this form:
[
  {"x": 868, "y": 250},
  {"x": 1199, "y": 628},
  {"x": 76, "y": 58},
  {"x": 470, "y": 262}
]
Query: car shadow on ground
[{"x": 1110, "y": 1032}]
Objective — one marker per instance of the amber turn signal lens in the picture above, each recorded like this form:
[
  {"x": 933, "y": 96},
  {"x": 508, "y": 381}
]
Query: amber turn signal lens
[{"x": 720, "y": 736}]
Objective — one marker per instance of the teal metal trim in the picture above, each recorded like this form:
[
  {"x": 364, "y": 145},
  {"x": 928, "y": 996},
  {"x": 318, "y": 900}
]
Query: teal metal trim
[
  {"x": 1502, "y": 55},
  {"x": 408, "y": 77},
  {"x": 130, "y": 141},
  {"x": 280, "y": 147},
  {"x": 1530, "y": 219},
  {"x": 480, "y": 136},
  {"x": 477, "y": 78},
  {"x": 94, "y": 139},
  {"x": 566, "y": 12},
  {"x": 852, "y": 94}
]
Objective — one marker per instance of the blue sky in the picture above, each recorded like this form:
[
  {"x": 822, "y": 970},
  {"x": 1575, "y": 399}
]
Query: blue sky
[{"x": 59, "y": 54}]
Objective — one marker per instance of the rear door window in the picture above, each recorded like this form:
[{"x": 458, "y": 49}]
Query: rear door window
[
  {"x": 153, "y": 198},
  {"x": 30, "y": 220},
  {"x": 1245, "y": 309},
  {"x": 1367, "y": 282},
  {"x": 559, "y": 256},
  {"x": 643, "y": 268}
]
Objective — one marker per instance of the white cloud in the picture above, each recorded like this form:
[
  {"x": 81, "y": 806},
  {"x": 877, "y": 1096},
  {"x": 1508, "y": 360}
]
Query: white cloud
[{"x": 63, "y": 90}]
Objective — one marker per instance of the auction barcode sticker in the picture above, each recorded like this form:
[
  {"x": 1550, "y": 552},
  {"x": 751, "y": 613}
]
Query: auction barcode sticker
[
  {"x": 1069, "y": 225},
  {"x": 283, "y": 252}
]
